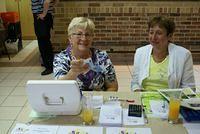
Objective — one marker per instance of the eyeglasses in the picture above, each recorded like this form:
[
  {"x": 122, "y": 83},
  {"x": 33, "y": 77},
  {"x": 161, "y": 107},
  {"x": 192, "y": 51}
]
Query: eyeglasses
[{"x": 81, "y": 35}]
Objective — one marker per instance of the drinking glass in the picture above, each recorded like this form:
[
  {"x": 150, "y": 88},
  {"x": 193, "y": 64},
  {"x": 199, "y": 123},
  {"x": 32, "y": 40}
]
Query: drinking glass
[
  {"x": 174, "y": 107},
  {"x": 87, "y": 110}
]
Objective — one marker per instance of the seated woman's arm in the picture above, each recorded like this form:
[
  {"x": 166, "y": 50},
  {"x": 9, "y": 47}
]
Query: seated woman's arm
[
  {"x": 135, "y": 75},
  {"x": 71, "y": 75},
  {"x": 111, "y": 83},
  {"x": 76, "y": 67},
  {"x": 112, "y": 86},
  {"x": 61, "y": 68},
  {"x": 188, "y": 74}
]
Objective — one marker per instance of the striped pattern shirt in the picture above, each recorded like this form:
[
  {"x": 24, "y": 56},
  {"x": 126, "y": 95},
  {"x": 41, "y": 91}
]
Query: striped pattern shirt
[{"x": 37, "y": 6}]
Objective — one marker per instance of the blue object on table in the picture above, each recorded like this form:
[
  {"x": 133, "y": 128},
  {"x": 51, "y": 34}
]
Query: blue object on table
[{"x": 190, "y": 115}]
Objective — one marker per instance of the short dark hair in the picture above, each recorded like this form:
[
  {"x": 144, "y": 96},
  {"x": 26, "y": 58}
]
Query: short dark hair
[{"x": 162, "y": 22}]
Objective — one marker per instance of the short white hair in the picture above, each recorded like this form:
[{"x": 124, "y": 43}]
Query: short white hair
[{"x": 81, "y": 22}]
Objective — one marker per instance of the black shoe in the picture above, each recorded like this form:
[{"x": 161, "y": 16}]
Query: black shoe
[{"x": 46, "y": 72}]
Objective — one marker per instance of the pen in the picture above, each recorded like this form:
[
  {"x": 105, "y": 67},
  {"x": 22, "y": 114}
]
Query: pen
[
  {"x": 145, "y": 115},
  {"x": 131, "y": 101},
  {"x": 113, "y": 98}
]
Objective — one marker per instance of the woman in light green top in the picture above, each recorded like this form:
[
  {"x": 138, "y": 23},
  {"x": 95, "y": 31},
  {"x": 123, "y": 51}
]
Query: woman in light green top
[{"x": 162, "y": 64}]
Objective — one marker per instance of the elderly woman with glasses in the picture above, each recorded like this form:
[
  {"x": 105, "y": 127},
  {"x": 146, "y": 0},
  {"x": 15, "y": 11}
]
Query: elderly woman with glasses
[
  {"x": 90, "y": 67},
  {"x": 162, "y": 64}
]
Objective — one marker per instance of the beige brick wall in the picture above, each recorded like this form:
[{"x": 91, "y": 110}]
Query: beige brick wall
[{"x": 122, "y": 26}]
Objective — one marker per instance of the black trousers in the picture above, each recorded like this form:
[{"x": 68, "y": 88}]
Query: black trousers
[{"x": 42, "y": 31}]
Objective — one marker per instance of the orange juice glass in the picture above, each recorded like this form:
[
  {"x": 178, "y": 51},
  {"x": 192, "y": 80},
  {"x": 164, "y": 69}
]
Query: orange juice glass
[
  {"x": 87, "y": 116},
  {"x": 174, "y": 107},
  {"x": 87, "y": 111}
]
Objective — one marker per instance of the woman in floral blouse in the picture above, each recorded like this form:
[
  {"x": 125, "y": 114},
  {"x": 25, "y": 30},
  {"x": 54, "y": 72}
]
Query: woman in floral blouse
[{"x": 90, "y": 67}]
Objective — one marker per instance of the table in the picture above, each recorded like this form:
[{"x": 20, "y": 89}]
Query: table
[{"x": 158, "y": 126}]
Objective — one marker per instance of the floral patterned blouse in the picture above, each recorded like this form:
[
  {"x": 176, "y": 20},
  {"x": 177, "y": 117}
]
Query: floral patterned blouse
[{"x": 94, "y": 79}]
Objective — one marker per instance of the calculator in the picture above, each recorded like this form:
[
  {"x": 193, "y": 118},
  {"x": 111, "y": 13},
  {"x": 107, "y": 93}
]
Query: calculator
[{"x": 134, "y": 110}]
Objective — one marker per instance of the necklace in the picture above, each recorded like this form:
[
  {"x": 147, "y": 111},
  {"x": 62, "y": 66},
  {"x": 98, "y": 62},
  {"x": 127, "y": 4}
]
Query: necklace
[
  {"x": 159, "y": 57},
  {"x": 158, "y": 60}
]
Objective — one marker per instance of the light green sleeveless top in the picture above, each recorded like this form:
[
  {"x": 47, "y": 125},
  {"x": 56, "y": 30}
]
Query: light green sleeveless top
[{"x": 158, "y": 75}]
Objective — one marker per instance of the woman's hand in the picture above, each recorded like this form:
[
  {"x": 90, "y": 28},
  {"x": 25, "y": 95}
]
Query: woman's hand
[
  {"x": 79, "y": 66},
  {"x": 41, "y": 16}
]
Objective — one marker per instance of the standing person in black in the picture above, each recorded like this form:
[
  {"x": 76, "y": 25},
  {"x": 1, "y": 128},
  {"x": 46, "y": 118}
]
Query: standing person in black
[{"x": 43, "y": 23}]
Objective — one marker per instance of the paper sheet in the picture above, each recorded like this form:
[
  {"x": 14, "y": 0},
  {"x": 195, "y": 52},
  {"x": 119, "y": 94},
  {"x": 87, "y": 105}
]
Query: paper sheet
[
  {"x": 112, "y": 103},
  {"x": 192, "y": 128},
  {"x": 121, "y": 130},
  {"x": 130, "y": 120},
  {"x": 159, "y": 108},
  {"x": 34, "y": 129},
  {"x": 97, "y": 101},
  {"x": 79, "y": 130},
  {"x": 110, "y": 115},
  {"x": 147, "y": 97},
  {"x": 53, "y": 129}
]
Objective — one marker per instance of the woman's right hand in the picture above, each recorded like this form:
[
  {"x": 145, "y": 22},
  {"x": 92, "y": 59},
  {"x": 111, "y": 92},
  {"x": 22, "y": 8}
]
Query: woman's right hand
[{"x": 79, "y": 66}]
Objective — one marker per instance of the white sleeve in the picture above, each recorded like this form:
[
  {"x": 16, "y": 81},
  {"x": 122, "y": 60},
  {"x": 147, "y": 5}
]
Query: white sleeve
[
  {"x": 188, "y": 74},
  {"x": 135, "y": 74}
]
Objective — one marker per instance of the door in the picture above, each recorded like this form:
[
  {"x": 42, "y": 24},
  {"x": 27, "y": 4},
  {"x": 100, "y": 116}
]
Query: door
[{"x": 26, "y": 17}]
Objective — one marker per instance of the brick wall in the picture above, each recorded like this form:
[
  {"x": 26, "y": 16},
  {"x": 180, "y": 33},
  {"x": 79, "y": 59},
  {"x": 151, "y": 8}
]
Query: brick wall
[{"x": 121, "y": 26}]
